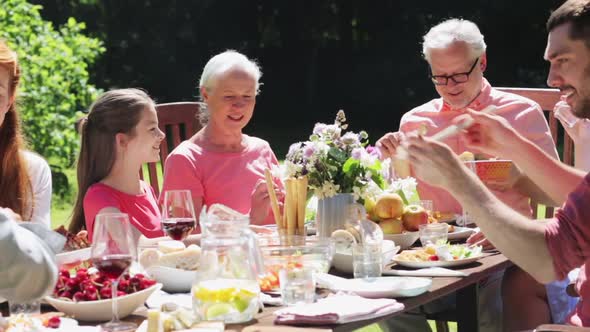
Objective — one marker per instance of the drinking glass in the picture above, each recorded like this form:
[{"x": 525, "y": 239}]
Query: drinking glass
[
  {"x": 428, "y": 205},
  {"x": 113, "y": 250},
  {"x": 433, "y": 233},
  {"x": 297, "y": 285},
  {"x": 367, "y": 260},
  {"x": 466, "y": 218},
  {"x": 28, "y": 308},
  {"x": 178, "y": 215}
]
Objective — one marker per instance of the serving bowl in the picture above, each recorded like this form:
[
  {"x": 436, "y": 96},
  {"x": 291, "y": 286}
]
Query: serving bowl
[
  {"x": 404, "y": 240},
  {"x": 343, "y": 261},
  {"x": 310, "y": 251},
  {"x": 101, "y": 310},
  {"x": 172, "y": 280}
]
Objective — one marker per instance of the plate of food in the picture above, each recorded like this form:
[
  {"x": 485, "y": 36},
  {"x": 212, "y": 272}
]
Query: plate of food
[
  {"x": 52, "y": 321},
  {"x": 458, "y": 233},
  {"x": 442, "y": 216},
  {"x": 446, "y": 255}
]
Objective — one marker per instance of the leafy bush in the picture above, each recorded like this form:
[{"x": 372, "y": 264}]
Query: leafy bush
[{"x": 54, "y": 84}]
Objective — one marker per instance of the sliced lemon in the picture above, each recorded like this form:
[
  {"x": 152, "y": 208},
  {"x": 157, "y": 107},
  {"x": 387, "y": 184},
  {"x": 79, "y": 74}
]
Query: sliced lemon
[{"x": 218, "y": 309}]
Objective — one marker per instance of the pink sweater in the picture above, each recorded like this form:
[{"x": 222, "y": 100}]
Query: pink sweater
[
  {"x": 568, "y": 239},
  {"x": 142, "y": 209},
  {"x": 227, "y": 178},
  {"x": 523, "y": 114}
]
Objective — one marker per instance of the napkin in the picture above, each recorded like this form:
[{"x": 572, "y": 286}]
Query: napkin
[
  {"x": 160, "y": 297},
  {"x": 426, "y": 272},
  {"x": 337, "y": 309}
]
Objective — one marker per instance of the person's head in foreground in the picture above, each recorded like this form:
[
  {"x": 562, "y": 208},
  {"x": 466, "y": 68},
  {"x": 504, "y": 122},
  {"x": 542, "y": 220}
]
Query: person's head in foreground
[
  {"x": 14, "y": 178},
  {"x": 568, "y": 52},
  {"x": 229, "y": 86},
  {"x": 120, "y": 132},
  {"x": 456, "y": 53}
]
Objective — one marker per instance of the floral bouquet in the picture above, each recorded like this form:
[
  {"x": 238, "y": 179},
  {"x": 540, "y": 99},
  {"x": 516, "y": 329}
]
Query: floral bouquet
[{"x": 337, "y": 162}]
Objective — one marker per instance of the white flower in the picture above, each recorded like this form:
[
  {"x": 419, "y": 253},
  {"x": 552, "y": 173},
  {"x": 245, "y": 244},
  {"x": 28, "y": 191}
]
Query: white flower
[
  {"x": 350, "y": 139},
  {"x": 368, "y": 160},
  {"x": 356, "y": 193},
  {"x": 386, "y": 168},
  {"x": 407, "y": 186},
  {"x": 328, "y": 189}
]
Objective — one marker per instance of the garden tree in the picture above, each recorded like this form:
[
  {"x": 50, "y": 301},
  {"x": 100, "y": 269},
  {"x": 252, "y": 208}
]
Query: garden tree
[
  {"x": 55, "y": 84},
  {"x": 317, "y": 56}
]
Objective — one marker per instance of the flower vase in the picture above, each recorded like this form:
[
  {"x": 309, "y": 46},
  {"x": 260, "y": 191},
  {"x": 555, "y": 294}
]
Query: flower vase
[{"x": 333, "y": 213}]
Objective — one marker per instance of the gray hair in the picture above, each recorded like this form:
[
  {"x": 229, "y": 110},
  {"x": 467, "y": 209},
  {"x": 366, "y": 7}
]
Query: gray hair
[
  {"x": 220, "y": 64},
  {"x": 450, "y": 31}
]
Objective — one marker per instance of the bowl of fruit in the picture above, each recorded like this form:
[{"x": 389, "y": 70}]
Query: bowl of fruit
[
  {"x": 86, "y": 295},
  {"x": 299, "y": 251}
]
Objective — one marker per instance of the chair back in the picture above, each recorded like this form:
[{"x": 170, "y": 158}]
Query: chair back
[
  {"x": 179, "y": 121},
  {"x": 547, "y": 98}
]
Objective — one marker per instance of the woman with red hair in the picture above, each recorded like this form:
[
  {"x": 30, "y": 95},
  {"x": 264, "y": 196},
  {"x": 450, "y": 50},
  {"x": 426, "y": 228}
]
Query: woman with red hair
[{"x": 25, "y": 178}]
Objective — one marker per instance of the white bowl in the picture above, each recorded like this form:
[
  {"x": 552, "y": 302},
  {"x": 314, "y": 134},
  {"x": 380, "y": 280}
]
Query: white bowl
[
  {"x": 343, "y": 261},
  {"x": 73, "y": 258},
  {"x": 173, "y": 280},
  {"x": 404, "y": 240},
  {"x": 101, "y": 310}
]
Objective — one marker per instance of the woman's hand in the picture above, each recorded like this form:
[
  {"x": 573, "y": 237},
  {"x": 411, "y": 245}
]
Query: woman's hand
[
  {"x": 260, "y": 202},
  {"x": 11, "y": 214}
]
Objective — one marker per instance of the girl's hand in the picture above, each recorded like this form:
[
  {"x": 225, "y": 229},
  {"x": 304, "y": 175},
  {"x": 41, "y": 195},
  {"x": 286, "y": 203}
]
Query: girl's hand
[{"x": 478, "y": 239}]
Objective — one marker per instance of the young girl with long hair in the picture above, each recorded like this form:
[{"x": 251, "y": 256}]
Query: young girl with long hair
[
  {"x": 25, "y": 178},
  {"x": 119, "y": 135}
]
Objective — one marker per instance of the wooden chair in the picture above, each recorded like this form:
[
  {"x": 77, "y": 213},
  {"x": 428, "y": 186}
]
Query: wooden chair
[
  {"x": 547, "y": 98},
  {"x": 179, "y": 121}
]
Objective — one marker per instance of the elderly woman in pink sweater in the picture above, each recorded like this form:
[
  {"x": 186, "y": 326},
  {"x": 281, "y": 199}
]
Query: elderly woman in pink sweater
[{"x": 221, "y": 164}]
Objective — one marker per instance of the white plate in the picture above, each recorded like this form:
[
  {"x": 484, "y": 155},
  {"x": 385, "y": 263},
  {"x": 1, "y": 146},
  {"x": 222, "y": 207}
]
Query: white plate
[
  {"x": 460, "y": 233},
  {"x": 173, "y": 280},
  {"x": 435, "y": 263},
  {"x": 404, "y": 240},
  {"x": 73, "y": 257},
  {"x": 385, "y": 286},
  {"x": 101, "y": 310},
  {"x": 343, "y": 261}
]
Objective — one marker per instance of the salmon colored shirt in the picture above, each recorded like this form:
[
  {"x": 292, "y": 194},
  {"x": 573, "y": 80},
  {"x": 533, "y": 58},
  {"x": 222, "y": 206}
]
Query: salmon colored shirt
[
  {"x": 523, "y": 114},
  {"x": 142, "y": 209},
  {"x": 568, "y": 240},
  {"x": 226, "y": 178}
]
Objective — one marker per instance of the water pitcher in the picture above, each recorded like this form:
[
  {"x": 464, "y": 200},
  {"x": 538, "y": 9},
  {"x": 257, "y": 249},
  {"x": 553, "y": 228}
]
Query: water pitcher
[{"x": 226, "y": 286}]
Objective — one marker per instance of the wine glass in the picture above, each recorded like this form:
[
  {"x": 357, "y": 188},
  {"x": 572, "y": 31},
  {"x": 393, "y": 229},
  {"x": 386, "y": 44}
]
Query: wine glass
[
  {"x": 112, "y": 252},
  {"x": 178, "y": 215}
]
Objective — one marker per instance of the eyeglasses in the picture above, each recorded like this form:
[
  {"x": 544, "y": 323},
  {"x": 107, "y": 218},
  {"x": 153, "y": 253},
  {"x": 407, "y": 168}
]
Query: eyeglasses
[{"x": 457, "y": 78}]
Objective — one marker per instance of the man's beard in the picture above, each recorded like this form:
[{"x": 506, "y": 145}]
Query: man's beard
[{"x": 582, "y": 109}]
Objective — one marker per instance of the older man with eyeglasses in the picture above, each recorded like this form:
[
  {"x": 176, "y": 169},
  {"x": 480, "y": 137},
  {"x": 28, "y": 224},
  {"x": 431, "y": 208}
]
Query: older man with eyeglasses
[{"x": 456, "y": 54}]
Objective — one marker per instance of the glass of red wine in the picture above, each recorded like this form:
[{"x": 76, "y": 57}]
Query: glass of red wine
[
  {"x": 178, "y": 215},
  {"x": 113, "y": 250}
]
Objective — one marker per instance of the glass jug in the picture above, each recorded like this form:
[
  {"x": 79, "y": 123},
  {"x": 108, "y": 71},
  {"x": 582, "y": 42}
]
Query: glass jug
[{"x": 226, "y": 287}]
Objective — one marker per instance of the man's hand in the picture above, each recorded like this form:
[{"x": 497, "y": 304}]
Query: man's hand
[
  {"x": 434, "y": 162},
  {"x": 388, "y": 144},
  {"x": 489, "y": 134}
]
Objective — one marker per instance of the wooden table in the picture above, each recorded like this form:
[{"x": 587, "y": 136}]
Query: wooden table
[{"x": 466, "y": 288}]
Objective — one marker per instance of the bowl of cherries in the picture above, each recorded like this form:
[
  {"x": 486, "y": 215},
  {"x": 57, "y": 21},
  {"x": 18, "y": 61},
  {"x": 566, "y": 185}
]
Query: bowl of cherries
[{"x": 86, "y": 295}]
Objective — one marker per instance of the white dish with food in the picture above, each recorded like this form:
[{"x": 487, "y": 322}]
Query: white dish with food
[
  {"x": 342, "y": 261},
  {"x": 101, "y": 310}
]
